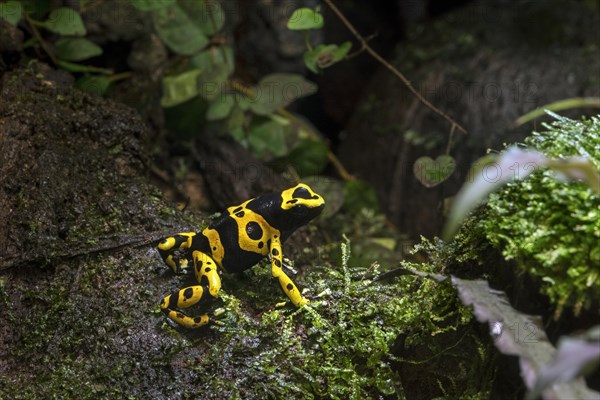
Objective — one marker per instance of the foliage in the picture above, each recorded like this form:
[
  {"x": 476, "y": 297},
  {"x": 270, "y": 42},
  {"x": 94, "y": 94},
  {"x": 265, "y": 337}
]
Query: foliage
[
  {"x": 69, "y": 48},
  {"x": 551, "y": 227},
  {"x": 202, "y": 66},
  {"x": 322, "y": 56}
]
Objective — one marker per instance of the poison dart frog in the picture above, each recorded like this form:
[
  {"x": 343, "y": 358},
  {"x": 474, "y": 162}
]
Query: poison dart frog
[{"x": 235, "y": 242}]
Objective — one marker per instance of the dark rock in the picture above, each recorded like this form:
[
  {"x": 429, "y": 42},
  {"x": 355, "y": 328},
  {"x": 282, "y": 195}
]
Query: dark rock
[{"x": 484, "y": 65}]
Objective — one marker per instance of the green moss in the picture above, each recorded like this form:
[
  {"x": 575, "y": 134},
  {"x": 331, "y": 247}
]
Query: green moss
[
  {"x": 344, "y": 344},
  {"x": 551, "y": 228}
]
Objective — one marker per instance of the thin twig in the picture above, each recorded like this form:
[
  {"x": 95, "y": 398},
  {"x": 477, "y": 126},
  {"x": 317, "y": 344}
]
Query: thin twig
[
  {"x": 389, "y": 66},
  {"x": 34, "y": 24}
]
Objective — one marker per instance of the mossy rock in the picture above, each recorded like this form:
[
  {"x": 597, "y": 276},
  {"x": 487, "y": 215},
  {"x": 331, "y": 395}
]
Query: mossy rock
[
  {"x": 551, "y": 227},
  {"x": 81, "y": 284}
]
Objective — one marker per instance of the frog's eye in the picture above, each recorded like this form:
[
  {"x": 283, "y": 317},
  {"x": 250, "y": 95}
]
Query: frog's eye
[{"x": 303, "y": 193}]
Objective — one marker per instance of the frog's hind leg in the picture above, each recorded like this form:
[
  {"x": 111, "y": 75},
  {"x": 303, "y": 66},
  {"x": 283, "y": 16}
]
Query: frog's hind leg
[
  {"x": 206, "y": 271},
  {"x": 168, "y": 251}
]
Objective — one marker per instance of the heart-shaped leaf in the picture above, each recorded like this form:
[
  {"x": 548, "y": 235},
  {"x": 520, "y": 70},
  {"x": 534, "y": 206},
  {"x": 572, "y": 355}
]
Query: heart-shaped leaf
[
  {"x": 433, "y": 172},
  {"x": 325, "y": 55},
  {"x": 305, "y": 18}
]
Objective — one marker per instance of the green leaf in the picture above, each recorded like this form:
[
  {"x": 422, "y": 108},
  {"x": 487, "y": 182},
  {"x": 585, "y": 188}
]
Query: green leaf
[
  {"x": 213, "y": 80},
  {"x": 431, "y": 173},
  {"x": 566, "y": 104},
  {"x": 276, "y": 91},
  {"x": 214, "y": 55},
  {"x": 178, "y": 30},
  {"x": 74, "y": 67},
  {"x": 206, "y": 14},
  {"x": 304, "y": 19},
  {"x": 180, "y": 88},
  {"x": 325, "y": 55},
  {"x": 267, "y": 139},
  {"x": 93, "y": 84},
  {"x": 220, "y": 108},
  {"x": 76, "y": 49},
  {"x": 66, "y": 22},
  {"x": 151, "y": 5},
  {"x": 359, "y": 195},
  {"x": 308, "y": 157},
  {"x": 11, "y": 12}
]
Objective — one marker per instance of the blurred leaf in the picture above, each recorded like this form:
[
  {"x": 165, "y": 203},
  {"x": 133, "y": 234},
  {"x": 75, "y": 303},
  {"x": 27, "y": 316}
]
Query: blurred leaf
[
  {"x": 74, "y": 67},
  {"x": 213, "y": 80},
  {"x": 93, "y": 84},
  {"x": 566, "y": 104},
  {"x": 308, "y": 157},
  {"x": 304, "y": 19},
  {"x": 214, "y": 55},
  {"x": 66, "y": 22},
  {"x": 577, "y": 168},
  {"x": 325, "y": 55},
  {"x": 180, "y": 88},
  {"x": 515, "y": 333},
  {"x": 235, "y": 119},
  {"x": 488, "y": 174},
  {"x": 387, "y": 243},
  {"x": 151, "y": 5},
  {"x": 76, "y": 49},
  {"x": 187, "y": 120},
  {"x": 179, "y": 30},
  {"x": 206, "y": 14},
  {"x": 267, "y": 139},
  {"x": 359, "y": 195},
  {"x": 220, "y": 107},
  {"x": 576, "y": 356},
  {"x": 431, "y": 173},
  {"x": 276, "y": 91},
  {"x": 11, "y": 12}
]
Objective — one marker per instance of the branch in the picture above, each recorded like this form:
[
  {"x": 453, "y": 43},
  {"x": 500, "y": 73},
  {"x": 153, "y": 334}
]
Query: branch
[{"x": 365, "y": 45}]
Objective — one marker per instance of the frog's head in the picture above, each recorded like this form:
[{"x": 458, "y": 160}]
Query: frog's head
[{"x": 301, "y": 204}]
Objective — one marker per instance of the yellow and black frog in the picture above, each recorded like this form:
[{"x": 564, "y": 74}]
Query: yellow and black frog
[{"x": 235, "y": 242}]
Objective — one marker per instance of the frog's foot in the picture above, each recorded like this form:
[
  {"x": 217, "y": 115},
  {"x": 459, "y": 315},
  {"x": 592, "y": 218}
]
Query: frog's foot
[
  {"x": 172, "y": 304},
  {"x": 170, "y": 249}
]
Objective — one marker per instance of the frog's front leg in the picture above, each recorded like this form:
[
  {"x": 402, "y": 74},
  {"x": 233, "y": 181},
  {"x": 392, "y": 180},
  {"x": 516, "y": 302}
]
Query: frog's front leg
[
  {"x": 206, "y": 272},
  {"x": 289, "y": 287},
  {"x": 169, "y": 246}
]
